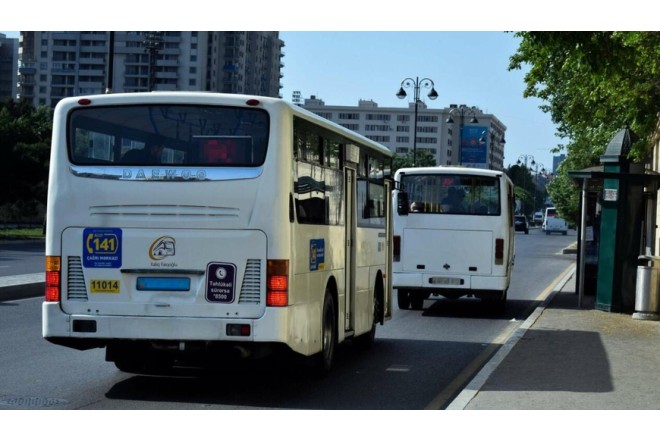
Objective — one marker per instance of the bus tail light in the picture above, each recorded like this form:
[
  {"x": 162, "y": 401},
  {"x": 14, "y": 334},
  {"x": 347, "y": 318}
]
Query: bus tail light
[
  {"x": 499, "y": 251},
  {"x": 277, "y": 283},
  {"x": 396, "y": 248},
  {"x": 53, "y": 271}
]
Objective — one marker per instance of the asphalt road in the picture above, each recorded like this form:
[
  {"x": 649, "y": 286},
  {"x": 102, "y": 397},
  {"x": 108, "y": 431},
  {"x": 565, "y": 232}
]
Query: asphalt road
[{"x": 421, "y": 359}]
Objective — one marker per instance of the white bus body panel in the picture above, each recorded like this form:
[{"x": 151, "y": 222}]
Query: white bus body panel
[{"x": 231, "y": 249}]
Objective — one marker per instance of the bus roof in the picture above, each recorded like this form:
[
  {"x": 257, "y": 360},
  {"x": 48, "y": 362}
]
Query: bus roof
[{"x": 444, "y": 169}]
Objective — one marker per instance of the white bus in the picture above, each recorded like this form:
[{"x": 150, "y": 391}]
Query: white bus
[
  {"x": 256, "y": 226},
  {"x": 453, "y": 234}
]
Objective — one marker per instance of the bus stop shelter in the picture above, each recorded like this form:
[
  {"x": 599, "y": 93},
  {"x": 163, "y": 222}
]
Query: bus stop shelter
[{"x": 623, "y": 228}]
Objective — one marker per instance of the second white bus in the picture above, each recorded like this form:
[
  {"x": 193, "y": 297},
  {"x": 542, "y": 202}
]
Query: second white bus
[
  {"x": 251, "y": 226},
  {"x": 453, "y": 234}
]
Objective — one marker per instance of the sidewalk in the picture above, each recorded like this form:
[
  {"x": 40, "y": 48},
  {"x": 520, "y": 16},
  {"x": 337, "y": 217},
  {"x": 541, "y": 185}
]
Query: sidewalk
[{"x": 566, "y": 357}]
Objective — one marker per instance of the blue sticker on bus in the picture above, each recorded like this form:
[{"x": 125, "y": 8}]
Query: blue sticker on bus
[
  {"x": 102, "y": 248},
  {"x": 220, "y": 282},
  {"x": 316, "y": 254}
]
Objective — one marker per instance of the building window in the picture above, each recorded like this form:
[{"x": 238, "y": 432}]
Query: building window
[
  {"x": 377, "y": 138},
  {"x": 403, "y": 118},
  {"x": 377, "y": 117},
  {"x": 376, "y": 128},
  {"x": 349, "y": 116}
]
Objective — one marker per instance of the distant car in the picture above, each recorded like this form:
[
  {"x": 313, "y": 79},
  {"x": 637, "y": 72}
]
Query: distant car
[
  {"x": 538, "y": 218},
  {"x": 521, "y": 224}
]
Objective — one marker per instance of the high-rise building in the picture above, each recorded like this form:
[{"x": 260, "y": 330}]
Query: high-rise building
[
  {"x": 8, "y": 63},
  {"x": 556, "y": 160},
  {"x": 54, "y": 65},
  {"x": 456, "y": 135}
]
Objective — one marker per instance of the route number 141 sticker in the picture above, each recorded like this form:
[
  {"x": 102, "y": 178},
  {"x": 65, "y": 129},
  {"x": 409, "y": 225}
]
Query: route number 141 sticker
[{"x": 102, "y": 248}]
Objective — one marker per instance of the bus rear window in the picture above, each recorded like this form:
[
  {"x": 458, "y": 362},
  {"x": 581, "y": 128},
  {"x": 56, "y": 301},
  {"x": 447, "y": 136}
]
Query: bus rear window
[
  {"x": 168, "y": 134},
  {"x": 452, "y": 194}
]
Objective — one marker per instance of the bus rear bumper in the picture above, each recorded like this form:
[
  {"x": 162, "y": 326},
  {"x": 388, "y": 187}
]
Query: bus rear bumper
[
  {"x": 431, "y": 282},
  {"x": 93, "y": 331}
]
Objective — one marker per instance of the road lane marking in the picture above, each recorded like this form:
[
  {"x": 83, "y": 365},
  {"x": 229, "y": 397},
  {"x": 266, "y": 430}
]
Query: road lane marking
[{"x": 398, "y": 368}]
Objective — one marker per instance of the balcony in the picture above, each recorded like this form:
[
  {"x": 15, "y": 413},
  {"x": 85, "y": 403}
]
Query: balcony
[{"x": 27, "y": 70}]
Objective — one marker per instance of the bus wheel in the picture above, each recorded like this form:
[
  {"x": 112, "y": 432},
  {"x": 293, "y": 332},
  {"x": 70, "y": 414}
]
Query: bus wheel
[
  {"x": 403, "y": 299},
  {"x": 498, "y": 303},
  {"x": 417, "y": 300},
  {"x": 323, "y": 360}
]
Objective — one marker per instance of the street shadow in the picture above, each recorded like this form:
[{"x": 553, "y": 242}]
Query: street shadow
[
  {"x": 472, "y": 308},
  {"x": 367, "y": 380},
  {"x": 570, "y": 300},
  {"x": 554, "y": 360}
]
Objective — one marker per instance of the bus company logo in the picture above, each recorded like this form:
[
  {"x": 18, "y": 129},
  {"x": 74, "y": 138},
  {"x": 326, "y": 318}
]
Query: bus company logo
[
  {"x": 158, "y": 174},
  {"x": 162, "y": 247}
]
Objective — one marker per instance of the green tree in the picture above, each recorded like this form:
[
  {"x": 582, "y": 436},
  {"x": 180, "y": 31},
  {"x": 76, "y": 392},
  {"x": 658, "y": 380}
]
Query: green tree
[
  {"x": 424, "y": 159},
  {"x": 524, "y": 187},
  {"x": 593, "y": 84},
  {"x": 25, "y": 134}
]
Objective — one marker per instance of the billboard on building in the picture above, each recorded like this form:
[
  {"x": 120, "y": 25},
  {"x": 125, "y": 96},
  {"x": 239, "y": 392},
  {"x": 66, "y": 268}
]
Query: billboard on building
[{"x": 474, "y": 146}]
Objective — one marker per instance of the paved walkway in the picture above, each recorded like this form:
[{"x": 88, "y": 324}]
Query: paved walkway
[{"x": 570, "y": 357}]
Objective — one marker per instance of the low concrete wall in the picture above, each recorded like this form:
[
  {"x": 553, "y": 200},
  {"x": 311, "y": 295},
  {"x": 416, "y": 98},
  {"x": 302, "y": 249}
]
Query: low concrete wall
[{"x": 22, "y": 286}]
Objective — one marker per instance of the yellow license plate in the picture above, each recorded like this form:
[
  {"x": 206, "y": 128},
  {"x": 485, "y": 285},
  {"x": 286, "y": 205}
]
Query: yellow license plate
[{"x": 98, "y": 286}]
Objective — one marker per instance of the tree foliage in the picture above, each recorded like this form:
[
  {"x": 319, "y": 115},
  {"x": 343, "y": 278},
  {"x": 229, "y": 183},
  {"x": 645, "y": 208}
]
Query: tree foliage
[
  {"x": 424, "y": 159},
  {"x": 594, "y": 84},
  {"x": 25, "y": 134},
  {"x": 530, "y": 195}
]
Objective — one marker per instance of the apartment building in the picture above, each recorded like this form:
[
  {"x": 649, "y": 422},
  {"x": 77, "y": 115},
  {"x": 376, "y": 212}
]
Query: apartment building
[
  {"x": 54, "y": 65},
  {"x": 455, "y": 135},
  {"x": 8, "y": 62}
]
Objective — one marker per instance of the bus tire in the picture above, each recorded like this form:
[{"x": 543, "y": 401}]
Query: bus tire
[
  {"x": 323, "y": 360},
  {"x": 498, "y": 301},
  {"x": 417, "y": 300},
  {"x": 403, "y": 299}
]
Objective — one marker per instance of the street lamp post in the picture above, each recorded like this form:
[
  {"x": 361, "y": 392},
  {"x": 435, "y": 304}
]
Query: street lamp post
[
  {"x": 401, "y": 94},
  {"x": 152, "y": 44},
  {"x": 536, "y": 181},
  {"x": 519, "y": 162},
  {"x": 462, "y": 110}
]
